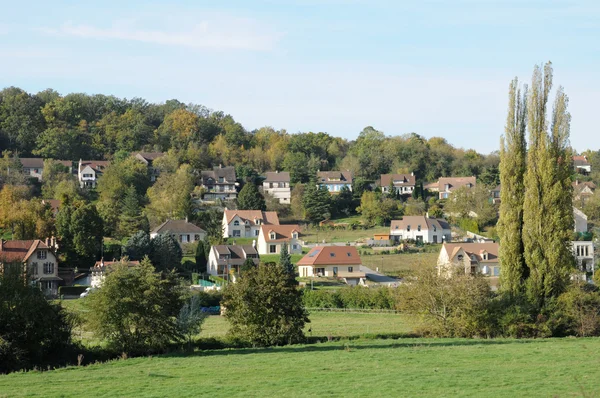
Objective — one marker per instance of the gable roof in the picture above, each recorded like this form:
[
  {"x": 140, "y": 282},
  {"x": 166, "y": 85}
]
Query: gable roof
[
  {"x": 455, "y": 183},
  {"x": 97, "y": 165},
  {"x": 277, "y": 176},
  {"x": 19, "y": 250},
  {"x": 580, "y": 160},
  {"x": 474, "y": 249},
  {"x": 176, "y": 226},
  {"x": 331, "y": 255},
  {"x": 266, "y": 217},
  {"x": 102, "y": 265},
  {"x": 228, "y": 174},
  {"x": 237, "y": 253},
  {"x": 405, "y": 179},
  {"x": 282, "y": 232},
  {"x": 334, "y": 176},
  {"x": 32, "y": 163},
  {"x": 148, "y": 157},
  {"x": 426, "y": 223},
  {"x": 580, "y": 186}
]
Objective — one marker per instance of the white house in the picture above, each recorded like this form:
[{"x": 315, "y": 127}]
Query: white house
[
  {"x": 470, "y": 258},
  {"x": 404, "y": 184},
  {"x": 272, "y": 237},
  {"x": 246, "y": 223},
  {"x": 583, "y": 251},
  {"x": 421, "y": 229},
  {"x": 342, "y": 262},
  {"x": 38, "y": 260},
  {"x": 101, "y": 268},
  {"x": 89, "y": 171},
  {"x": 582, "y": 165},
  {"x": 182, "y": 230},
  {"x": 225, "y": 259},
  {"x": 277, "y": 184}
]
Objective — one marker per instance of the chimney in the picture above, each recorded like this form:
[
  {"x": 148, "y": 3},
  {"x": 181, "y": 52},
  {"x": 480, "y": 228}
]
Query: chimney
[
  {"x": 47, "y": 242},
  {"x": 427, "y": 215},
  {"x": 254, "y": 243}
]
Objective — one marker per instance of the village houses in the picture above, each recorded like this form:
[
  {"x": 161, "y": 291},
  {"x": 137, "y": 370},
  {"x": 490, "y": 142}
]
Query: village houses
[
  {"x": 272, "y": 237},
  {"x": 246, "y": 223},
  {"x": 421, "y": 229},
  {"x": 224, "y": 259},
  {"x": 404, "y": 184},
  {"x": 219, "y": 183},
  {"x": 90, "y": 171},
  {"x": 334, "y": 181},
  {"x": 447, "y": 185},
  {"x": 182, "y": 230}
]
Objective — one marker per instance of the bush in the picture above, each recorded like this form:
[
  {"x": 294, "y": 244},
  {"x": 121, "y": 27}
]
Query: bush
[
  {"x": 358, "y": 297},
  {"x": 209, "y": 299},
  {"x": 71, "y": 290}
]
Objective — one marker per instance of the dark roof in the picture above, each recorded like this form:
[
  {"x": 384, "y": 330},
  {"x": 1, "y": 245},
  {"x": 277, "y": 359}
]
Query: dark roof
[
  {"x": 177, "y": 226},
  {"x": 455, "y": 183},
  {"x": 426, "y": 223},
  {"x": 237, "y": 253},
  {"x": 148, "y": 157},
  {"x": 334, "y": 176},
  {"x": 32, "y": 163},
  {"x": 19, "y": 250},
  {"x": 331, "y": 255},
  {"x": 277, "y": 176},
  {"x": 228, "y": 174},
  {"x": 404, "y": 179}
]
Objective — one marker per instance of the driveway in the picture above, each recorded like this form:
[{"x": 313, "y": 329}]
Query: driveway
[{"x": 378, "y": 277}]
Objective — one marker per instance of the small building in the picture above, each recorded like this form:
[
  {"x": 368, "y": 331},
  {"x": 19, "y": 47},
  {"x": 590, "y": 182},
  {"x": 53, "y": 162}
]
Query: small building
[
  {"x": 495, "y": 195},
  {"x": 272, "y": 237},
  {"x": 38, "y": 260},
  {"x": 101, "y": 268},
  {"x": 182, "y": 230},
  {"x": 581, "y": 220},
  {"x": 404, "y": 184},
  {"x": 334, "y": 181},
  {"x": 219, "y": 183},
  {"x": 90, "y": 171},
  {"x": 225, "y": 259},
  {"x": 583, "y": 251},
  {"x": 582, "y": 192},
  {"x": 421, "y": 229},
  {"x": 582, "y": 165},
  {"x": 447, "y": 185},
  {"x": 33, "y": 167},
  {"x": 342, "y": 262},
  {"x": 277, "y": 184},
  {"x": 246, "y": 223},
  {"x": 470, "y": 258},
  {"x": 148, "y": 158}
]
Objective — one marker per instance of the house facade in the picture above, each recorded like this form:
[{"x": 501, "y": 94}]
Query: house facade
[
  {"x": 342, "y": 262},
  {"x": 495, "y": 195},
  {"x": 246, "y": 223},
  {"x": 421, "y": 229},
  {"x": 226, "y": 259},
  {"x": 334, "y": 181},
  {"x": 447, "y": 185},
  {"x": 37, "y": 259},
  {"x": 582, "y": 192},
  {"x": 101, "y": 268},
  {"x": 182, "y": 230},
  {"x": 582, "y": 165},
  {"x": 277, "y": 184},
  {"x": 404, "y": 184},
  {"x": 583, "y": 251},
  {"x": 33, "y": 167},
  {"x": 219, "y": 183},
  {"x": 272, "y": 237},
  {"x": 147, "y": 158},
  {"x": 470, "y": 258},
  {"x": 90, "y": 171}
]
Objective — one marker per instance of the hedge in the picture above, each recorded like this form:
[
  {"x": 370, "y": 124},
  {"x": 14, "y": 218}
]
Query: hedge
[
  {"x": 71, "y": 290},
  {"x": 381, "y": 298}
]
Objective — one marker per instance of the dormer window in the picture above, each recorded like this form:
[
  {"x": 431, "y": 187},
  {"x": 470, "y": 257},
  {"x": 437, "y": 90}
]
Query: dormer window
[
  {"x": 418, "y": 228},
  {"x": 396, "y": 227},
  {"x": 332, "y": 254},
  {"x": 460, "y": 257},
  {"x": 485, "y": 256},
  {"x": 408, "y": 227},
  {"x": 221, "y": 179},
  {"x": 434, "y": 228},
  {"x": 473, "y": 258},
  {"x": 247, "y": 222},
  {"x": 257, "y": 221},
  {"x": 272, "y": 235},
  {"x": 294, "y": 235}
]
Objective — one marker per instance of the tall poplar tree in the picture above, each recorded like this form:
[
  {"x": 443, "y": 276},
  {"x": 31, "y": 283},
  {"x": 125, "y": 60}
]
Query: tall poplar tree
[
  {"x": 512, "y": 173},
  {"x": 547, "y": 225}
]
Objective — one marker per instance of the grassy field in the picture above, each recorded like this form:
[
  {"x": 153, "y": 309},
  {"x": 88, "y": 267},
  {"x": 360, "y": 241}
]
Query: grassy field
[
  {"x": 403, "y": 367},
  {"x": 400, "y": 265},
  {"x": 312, "y": 235}
]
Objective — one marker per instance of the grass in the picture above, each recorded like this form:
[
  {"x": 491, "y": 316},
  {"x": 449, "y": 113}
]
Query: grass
[
  {"x": 313, "y": 235},
  {"x": 400, "y": 265},
  {"x": 403, "y": 367}
]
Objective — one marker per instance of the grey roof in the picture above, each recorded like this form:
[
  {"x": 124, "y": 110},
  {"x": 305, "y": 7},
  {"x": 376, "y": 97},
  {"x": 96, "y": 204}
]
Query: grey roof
[
  {"x": 148, "y": 157},
  {"x": 228, "y": 174},
  {"x": 178, "y": 226},
  {"x": 238, "y": 253},
  {"x": 426, "y": 223},
  {"x": 277, "y": 176},
  {"x": 334, "y": 176},
  {"x": 32, "y": 163},
  {"x": 405, "y": 179}
]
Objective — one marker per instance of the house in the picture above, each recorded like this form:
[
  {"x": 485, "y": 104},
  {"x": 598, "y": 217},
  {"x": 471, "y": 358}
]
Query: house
[
  {"x": 583, "y": 191},
  {"x": 470, "y": 258},
  {"x": 147, "y": 158},
  {"x": 583, "y": 251},
  {"x": 277, "y": 184},
  {"x": 272, "y": 237},
  {"x": 342, "y": 262},
  {"x": 53, "y": 203},
  {"x": 38, "y": 260},
  {"x": 447, "y": 185},
  {"x": 246, "y": 223},
  {"x": 422, "y": 229},
  {"x": 219, "y": 183},
  {"x": 33, "y": 167},
  {"x": 224, "y": 259},
  {"x": 89, "y": 171},
  {"x": 582, "y": 165},
  {"x": 495, "y": 194},
  {"x": 182, "y": 230},
  {"x": 101, "y": 268},
  {"x": 334, "y": 181},
  {"x": 404, "y": 184},
  {"x": 581, "y": 220}
]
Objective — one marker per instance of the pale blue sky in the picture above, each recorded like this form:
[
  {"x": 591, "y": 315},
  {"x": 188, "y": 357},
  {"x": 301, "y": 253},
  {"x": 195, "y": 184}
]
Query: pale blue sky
[{"x": 437, "y": 68}]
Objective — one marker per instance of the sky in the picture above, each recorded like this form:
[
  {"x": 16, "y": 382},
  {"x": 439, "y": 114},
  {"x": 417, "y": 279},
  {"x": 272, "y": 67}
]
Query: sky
[{"x": 436, "y": 68}]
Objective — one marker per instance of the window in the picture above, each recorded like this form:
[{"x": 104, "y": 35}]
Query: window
[
  {"x": 294, "y": 235},
  {"x": 294, "y": 247},
  {"x": 460, "y": 257},
  {"x": 256, "y": 232},
  {"x": 496, "y": 271},
  {"x": 434, "y": 228},
  {"x": 237, "y": 233},
  {"x": 418, "y": 228},
  {"x": 331, "y": 254},
  {"x": 48, "y": 268},
  {"x": 272, "y": 236},
  {"x": 335, "y": 271},
  {"x": 257, "y": 221},
  {"x": 47, "y": 285},
  {"x": 272, "y": 248},
  {"x": 221, "y": 179},
  {"x": 247, "y": 222},
  {"x": 408, "y": 227},
  {"x": 88, "y": 175},
  {"x": 236, "y": 223},
  {"x": 485, "y": 256},
  {"x": 185, "y": 238},
  {"x": 196, "y": 238},
  {"x": 42, "y": 254},
  {"x": 34, "y": 268},
  {"x": 350, "y": 269}
]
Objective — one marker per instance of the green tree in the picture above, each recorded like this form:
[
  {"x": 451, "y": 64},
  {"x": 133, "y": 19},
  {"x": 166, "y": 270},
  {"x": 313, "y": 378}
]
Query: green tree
[
  {"x": 513, "y": 154},
  {"x": 80, "y": 232},
  {"x": 136, "y": 309},
  {"x": 200, "y": 256},
  {"x": 166, "y": 252},
  {"x": 343, "y": 202},
  {"x": 131, "y": 218},
  {"x": 138, "y": 246},
  {"x": 285, "y": 260},
  {"x": 317, "y": 203},
  {"x": 250, "y": 199},
  {"x": 547, "y": 210},
  {"x": 170, "y": 196},
  {"x": 264, "y": 307},
  {"x": 190, "y": 319}
]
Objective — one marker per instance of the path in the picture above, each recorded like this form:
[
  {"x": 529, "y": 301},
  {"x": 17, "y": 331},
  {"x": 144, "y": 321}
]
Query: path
[{"x": 378, "y": 277}]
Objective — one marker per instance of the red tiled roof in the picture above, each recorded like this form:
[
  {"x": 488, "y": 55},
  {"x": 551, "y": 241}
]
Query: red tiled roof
[
  {"x": 331, "y": 255},
  {"x": 19, "y": 250},
  {"x": 282, "y": 232},
  {"x": 266, "y": 217},
  {"x": 405, "y": 179}
]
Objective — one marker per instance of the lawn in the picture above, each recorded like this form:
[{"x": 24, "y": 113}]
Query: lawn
[
  {"x": 402, "y": 367},
  {"x": 400, "y": 265},
  {"x": 328, "y": 235}
]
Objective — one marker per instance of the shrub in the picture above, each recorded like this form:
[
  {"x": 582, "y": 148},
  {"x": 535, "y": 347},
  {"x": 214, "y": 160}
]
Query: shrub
[{"x": 209, "y": 299}]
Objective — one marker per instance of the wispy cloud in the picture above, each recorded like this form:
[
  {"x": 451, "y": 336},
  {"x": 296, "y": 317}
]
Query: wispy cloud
[{"x": 216, "y": 33}]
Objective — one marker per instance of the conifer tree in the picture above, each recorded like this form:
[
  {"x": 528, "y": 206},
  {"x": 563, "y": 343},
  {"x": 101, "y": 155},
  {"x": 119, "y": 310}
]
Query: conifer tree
[
  {"x": 512, "y": 172},
  {"x": 250, "y": 199},
  {"x": 285, "y": 260}
]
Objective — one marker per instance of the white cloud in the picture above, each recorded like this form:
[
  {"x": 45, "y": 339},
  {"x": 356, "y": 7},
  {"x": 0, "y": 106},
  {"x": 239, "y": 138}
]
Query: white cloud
[{"x": 216, "y": 33}]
